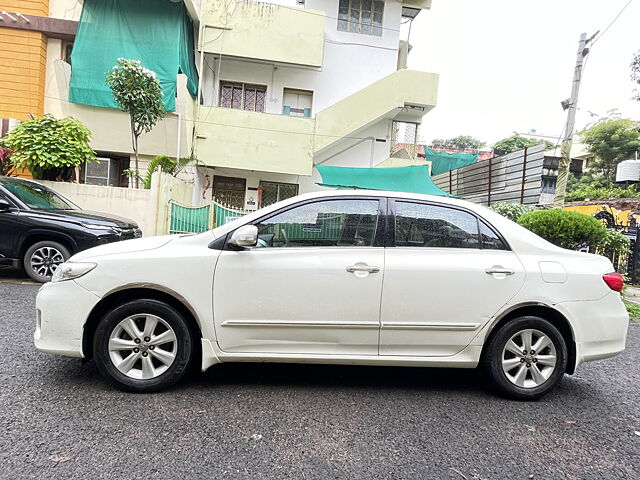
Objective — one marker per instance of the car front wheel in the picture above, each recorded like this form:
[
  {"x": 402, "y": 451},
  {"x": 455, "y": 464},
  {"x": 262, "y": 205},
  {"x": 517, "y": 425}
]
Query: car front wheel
[
  {"x": 43, "y": 258},
  {"x": 143, "y": 346},
  {"x": 526, "y": 358}
]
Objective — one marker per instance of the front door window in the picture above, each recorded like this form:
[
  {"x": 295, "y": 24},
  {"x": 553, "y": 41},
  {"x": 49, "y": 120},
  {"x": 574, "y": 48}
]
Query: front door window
[{"x": 334, "y": 223}]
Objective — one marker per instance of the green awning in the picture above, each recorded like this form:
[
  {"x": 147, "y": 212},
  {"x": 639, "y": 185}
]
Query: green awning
[
  {"x": 159, "y": 33},
  {"x": 442, "y": 162},
  {"x": 413, "y": 179}
]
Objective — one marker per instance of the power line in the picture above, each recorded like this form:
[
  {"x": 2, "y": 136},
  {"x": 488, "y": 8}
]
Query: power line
[{"x": 612, "y": 22}]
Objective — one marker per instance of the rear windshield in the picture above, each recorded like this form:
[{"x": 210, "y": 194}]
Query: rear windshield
[{"x": 38, "y": 197}]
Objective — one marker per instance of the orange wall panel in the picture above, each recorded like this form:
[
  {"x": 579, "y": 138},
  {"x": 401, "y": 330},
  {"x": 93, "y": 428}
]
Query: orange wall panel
[
  {"x": 27, "y": 7},
  {"x": 23, "y": 55}
]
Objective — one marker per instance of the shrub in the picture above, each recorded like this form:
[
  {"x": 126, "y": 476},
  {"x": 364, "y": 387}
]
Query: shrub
[
  {"x": 513, "y": 211},
  {"x": 565, "y": 228},
  {"x": 47, "y": 146},
  {"x": 614, "y": 243}
]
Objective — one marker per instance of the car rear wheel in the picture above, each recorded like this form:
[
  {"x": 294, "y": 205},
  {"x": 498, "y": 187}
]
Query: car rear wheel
[
  {"x": 43, "y": 258},
  {"x": 143, "y": 346},
  {"x": 526, "y": 358}
]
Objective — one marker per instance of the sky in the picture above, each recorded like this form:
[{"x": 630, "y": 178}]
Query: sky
[{"x": 505, "y": 65}]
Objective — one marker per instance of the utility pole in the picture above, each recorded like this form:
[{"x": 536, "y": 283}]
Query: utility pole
[{"x": 570, "y": 105}]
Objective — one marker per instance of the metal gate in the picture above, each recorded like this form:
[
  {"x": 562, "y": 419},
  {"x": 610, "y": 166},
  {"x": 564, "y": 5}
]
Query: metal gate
[{"x": 183, "y": 219}]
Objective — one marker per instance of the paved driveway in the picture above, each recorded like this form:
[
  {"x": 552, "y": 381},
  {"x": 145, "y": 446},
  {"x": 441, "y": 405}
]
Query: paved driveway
[{"x": 60, "y": 420}]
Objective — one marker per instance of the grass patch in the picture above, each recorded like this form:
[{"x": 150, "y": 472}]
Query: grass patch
[{"x": 634, "y": 311}]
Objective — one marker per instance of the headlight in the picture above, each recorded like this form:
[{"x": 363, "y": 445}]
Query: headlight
[
  {"x": 92, "y": 226},
  {"x": 71, "y": 270}
]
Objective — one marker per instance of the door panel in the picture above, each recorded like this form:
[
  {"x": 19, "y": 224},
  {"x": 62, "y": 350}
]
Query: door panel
[
  {"x": 435, "y": 300},
  {"x": 298, "y": 300},
  {"x": 447, "y": 276},
  {"x": 8, "y": 233},
  {"x": 312, "y": 286}
]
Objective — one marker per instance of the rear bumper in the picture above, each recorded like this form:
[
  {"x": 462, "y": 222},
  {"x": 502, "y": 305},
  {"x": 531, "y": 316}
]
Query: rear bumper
[
  {"x": 599, "y": 327},
  {"x": 62, "y": 309}
]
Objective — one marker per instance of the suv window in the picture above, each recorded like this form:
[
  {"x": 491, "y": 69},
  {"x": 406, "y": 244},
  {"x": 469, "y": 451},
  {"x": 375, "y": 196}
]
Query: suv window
[
  {"x": 423, "y": 225},
  {"x": 329, "y": 223},
  {"x": 37, "y": 196}
]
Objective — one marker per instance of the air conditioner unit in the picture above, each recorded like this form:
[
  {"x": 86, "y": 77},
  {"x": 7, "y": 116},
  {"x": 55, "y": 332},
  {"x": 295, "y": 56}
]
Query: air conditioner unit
[{"x": 628, "y": 171}]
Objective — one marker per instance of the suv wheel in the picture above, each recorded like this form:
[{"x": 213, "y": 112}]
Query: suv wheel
[
  {"x": 526, "y": 358},
  {"x": 143, "y": 346},
  {"x": 43, "y": 258}
]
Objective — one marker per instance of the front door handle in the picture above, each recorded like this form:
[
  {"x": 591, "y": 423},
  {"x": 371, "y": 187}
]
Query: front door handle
[
  {"x": 362, "y": 268},
  {"x": 498, "y": 269}
]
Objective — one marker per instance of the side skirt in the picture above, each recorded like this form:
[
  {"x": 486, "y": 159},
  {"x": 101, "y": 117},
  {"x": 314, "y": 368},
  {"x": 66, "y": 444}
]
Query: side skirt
[{"x": 467, "y": 358}]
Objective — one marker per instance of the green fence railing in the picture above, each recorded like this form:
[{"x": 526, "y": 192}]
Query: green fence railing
[
  {"x": 184, "y": 219},
  {"x": 223, "y": 214}
]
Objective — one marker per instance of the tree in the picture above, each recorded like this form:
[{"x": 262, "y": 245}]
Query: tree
[
  {"x": 635, "y": 74},
  {"x": 462, "y": 142},
  {"x": 612, "y": 140},
  {"x": 517, "y": 142},
  {"x": 137, "y": 91},
  {"x": 49, "y": 147}
]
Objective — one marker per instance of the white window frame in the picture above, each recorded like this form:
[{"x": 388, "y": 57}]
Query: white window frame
[{"x": 353, "y": 18}]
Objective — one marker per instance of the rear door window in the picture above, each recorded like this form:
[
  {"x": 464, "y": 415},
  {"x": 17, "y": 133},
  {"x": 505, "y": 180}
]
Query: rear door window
[{"x": 434, "y": 226}]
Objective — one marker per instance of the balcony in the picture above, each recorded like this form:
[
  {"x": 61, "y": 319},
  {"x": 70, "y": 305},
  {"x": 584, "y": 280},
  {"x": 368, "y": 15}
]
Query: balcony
[
  {"x": 255, "y": 141},
  {"x": 111, "y": 128},
  {"x": 266, "y": 32}
]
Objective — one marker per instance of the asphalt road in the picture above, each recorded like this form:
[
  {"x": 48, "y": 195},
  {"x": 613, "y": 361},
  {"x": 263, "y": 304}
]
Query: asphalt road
[{"x": 60, "y": 420}]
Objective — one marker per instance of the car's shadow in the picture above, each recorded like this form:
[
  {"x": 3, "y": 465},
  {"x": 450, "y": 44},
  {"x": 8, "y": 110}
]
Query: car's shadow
[{"x": 286, "y": 376}]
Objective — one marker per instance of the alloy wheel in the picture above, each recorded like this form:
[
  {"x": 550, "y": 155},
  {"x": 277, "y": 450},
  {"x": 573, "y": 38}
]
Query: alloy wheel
[
  {"x": 143, "y": 346},
  {"x": 529, "y": 358},
  {"x": 46, "y": 260}
]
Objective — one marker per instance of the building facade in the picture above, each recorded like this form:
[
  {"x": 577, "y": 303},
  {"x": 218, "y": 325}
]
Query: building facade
[{"x": 282, "y": 88}]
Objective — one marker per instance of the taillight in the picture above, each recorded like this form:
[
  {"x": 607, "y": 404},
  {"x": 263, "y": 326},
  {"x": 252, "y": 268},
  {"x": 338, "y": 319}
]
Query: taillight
[{"x": 614, "y": 280}]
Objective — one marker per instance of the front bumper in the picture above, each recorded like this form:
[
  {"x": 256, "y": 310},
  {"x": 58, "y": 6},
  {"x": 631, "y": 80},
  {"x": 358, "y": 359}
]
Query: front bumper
[{"x": 62, "y": 309}]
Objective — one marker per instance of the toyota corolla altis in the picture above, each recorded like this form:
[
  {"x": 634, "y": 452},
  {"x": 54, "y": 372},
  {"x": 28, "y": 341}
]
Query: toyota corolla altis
[{"x": 342, "y": 277}]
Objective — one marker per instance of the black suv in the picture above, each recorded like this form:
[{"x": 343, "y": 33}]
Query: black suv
[{"x": 40, "y": 229}]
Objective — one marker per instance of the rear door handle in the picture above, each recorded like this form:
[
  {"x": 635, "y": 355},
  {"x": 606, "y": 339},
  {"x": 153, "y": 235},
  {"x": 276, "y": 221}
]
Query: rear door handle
[
  {"x": 362, "y": 268},
  {"x": 498, "y": 269}
]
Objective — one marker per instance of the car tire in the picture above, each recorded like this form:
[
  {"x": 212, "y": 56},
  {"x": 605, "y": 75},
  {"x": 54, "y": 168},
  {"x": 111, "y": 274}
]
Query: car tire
[
  {"x": 135, "y": 356},
  {"x": 42, "y": 258},
  {"x": 523, "y": 375}
]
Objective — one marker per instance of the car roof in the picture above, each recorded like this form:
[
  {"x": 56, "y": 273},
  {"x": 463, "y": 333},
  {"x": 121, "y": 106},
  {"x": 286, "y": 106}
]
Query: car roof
[{"x": 388, "y": 193}]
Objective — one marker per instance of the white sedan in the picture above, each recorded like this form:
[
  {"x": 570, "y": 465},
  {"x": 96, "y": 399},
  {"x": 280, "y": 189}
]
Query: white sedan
[{"x": 343, "y": 277}]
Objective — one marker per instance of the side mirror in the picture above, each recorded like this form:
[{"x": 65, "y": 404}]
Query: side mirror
[
  {"x": 245, "y": 236},
  {"x": 5, "y": 206}
]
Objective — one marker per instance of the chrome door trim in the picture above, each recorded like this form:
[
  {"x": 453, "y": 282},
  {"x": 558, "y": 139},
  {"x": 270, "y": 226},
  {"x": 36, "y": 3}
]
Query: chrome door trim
[
  {"x": 430, "y": 326},
  {"x": 298, "y": 323}
]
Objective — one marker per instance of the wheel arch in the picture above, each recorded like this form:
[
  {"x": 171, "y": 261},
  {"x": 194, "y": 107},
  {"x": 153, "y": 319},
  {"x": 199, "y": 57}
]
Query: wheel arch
[
  {"x": 543, "y": 311},
  {"x": 131, "y": 292},
  {"x": 40, "y": 235}
]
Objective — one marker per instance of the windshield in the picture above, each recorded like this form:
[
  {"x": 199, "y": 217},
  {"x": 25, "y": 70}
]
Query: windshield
[{"x": 38, "y": 197}]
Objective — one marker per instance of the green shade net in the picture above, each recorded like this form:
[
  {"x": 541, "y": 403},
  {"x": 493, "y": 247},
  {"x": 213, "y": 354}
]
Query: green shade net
[
  {"x": 414, "y": 179},
  {"x": 442, "y": 162},
  {"x": 159, "y": 33}
]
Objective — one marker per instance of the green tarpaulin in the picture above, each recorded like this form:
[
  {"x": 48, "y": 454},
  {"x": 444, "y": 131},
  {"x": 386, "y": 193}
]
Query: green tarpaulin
[
  {"x": 414, "y": 179},
  {"x": 159, "y": 33},
  {"x": 442, "y": 162}
]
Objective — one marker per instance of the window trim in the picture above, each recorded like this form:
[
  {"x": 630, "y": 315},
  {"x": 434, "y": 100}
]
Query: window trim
[
  {"x": 379, "y": 236},
  {"x": 391, "y": 224}
]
